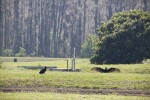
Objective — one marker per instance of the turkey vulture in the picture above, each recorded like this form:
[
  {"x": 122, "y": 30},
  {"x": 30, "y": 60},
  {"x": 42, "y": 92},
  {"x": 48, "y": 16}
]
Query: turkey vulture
[
  {"x": 43, "y": 70},
  {"x": 98, "y": 69}
]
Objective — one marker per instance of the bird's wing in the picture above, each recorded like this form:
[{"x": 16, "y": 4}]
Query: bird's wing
[
  {"x": 41, "y": 71},
  {"x": 100, "y": 69},
  {"x": 111, "y": 70}
]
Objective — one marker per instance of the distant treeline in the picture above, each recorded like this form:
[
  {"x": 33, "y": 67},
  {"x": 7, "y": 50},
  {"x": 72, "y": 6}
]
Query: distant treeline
[{"x": 52, "y": 28}]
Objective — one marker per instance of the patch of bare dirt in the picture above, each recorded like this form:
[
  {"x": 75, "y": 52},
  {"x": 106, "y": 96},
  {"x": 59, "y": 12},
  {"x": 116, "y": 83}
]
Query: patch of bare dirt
[{"x": 80, "y": 91}]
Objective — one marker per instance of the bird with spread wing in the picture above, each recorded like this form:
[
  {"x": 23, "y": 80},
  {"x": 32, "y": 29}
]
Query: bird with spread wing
[{"x": 98, "y": 69}]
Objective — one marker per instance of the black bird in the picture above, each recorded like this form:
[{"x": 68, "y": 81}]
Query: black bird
[
  {"x": 98, "y": 69},
  {"x": 43, "y": 70}
]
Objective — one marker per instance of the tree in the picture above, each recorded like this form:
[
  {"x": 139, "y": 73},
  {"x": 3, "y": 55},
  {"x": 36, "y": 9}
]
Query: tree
[
  {"x": 124, "y": 39},
  {"x": 87, "y": 49}
]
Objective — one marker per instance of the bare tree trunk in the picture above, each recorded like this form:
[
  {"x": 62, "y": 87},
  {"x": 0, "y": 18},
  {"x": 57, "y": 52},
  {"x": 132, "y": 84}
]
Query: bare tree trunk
[
  {"x": 84, "y": 21},
  {"x": 47, "y": 32},
  {"x": 1, "y": 33},
  {"x": 17, "y": 38}
]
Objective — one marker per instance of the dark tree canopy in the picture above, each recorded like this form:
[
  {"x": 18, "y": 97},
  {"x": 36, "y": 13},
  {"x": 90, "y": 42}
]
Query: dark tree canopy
[{"x": 124, "y": 39}]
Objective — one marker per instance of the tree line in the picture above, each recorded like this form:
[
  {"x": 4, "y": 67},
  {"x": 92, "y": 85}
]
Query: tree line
[
  {"x": 40, "y": 28},
  {"x": 52, "y": 28}
]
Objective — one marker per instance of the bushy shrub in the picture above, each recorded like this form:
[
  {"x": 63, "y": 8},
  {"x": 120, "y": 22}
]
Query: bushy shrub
[
  {"x": 7, "y": 53},
  {"x": 22, "y": 53},
  {"x": 1, "y": 64},
  {"x": 124, "y": 39}
]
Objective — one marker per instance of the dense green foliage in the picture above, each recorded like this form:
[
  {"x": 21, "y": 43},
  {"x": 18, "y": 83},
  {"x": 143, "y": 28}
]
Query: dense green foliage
[
  {"x": 87, "y": 49},
  {"x": 10, "y": 53},
  {"x": 124, "y": 39},
  {"x": 21, "y": 53},
  {"x": 7, "y": 52}
]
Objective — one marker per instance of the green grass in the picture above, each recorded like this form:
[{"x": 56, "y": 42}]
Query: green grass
[
  {"x": 31, "y": 78},
  {"x": 132, "y": 76},
  {"x": 84, "y": 64},
  {"x": 57, "y": 96}
]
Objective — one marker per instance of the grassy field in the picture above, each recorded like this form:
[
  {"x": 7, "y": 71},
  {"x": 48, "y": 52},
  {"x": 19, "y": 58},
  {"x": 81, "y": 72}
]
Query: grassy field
[
  {"x": 132, "y": 77},
  {"x": 31, "y": 78},
  {"x": 84, "y": 64},
  {"x": 58, "y": 96}
]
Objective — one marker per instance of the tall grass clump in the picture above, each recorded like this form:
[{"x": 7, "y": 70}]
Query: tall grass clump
[{"x": 1, "y": 64}]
